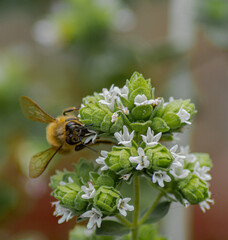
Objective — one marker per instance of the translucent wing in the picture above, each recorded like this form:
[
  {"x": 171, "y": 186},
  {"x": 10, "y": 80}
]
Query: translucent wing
[
  {"x": 39, "y": 162},
  {"x": 33, "y": 111}
]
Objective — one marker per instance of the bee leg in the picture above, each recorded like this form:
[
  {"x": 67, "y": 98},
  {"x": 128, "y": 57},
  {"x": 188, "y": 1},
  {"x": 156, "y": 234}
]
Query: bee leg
[
  {"x": 70, "y": 110},
  {"x": 81, "y": 146},
  {"x": 89, "y": 125}
]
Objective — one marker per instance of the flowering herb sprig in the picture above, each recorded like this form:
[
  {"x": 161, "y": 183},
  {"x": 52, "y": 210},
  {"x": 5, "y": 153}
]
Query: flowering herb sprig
[{"x": 138, "y": 123}]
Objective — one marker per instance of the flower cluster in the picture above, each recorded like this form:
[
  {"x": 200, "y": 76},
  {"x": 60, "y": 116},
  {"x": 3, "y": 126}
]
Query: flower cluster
[
  {"x": 87, "y": 194},
  {"x": 139, "y": 123},
  {"x": 135, "y": 106},
  {"x": 183, "y": 174}
]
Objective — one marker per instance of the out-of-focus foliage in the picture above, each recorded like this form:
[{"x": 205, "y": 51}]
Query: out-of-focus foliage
[{"x": 213, "y": 15}]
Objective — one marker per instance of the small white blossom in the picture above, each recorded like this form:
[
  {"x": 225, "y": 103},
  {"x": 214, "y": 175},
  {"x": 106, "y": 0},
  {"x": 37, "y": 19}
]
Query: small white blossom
[
  {"x": 94, "y": 218},
  {"x": 114, "y": 117},
  {"x": 161, "y": 177},
  {"x": 110, "y": 97},
  {"x": 125, "y": 110},
  {"x": 174, "y": 154},
  {"x": 62, "y": 183},
  {"x": 101, "y": 160},
  {"x": 123, "y": 206},
  {"x": 189, "y": 158},
  {"x": 126, "y": 176},
  {"x": 142, "y": 100},
  {"x": 150, "y": 139},
  {"x": 66, "y": 213},
  {"x": 141, "y": 160},
  {"x": 201, "y": 172},
  {"x": 179, "y": 172},
  {"x": 204, "y": 205},
  {"x": 123, "y": 92},
  {"x": 184, "y": 116},
  {"x": 156, "y": 101},
  {"x": 124, "y": 138},
  {"x": 89, "y": 192},
  {"x": 92, "y": 135}
]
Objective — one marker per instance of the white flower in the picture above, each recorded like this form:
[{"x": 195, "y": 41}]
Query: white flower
[
  {"x": 142, "y": 100},
  {"x": 171, "y": 99},
  {"x": 125, "y": 110},
  {"x": 201, "y": 172},
  {"x": 123, "y": 206},
  {"x": 150, "y": 139},
  {"x": 123, "y": 92},
  {"x": 114, "y": 117},
  {"x": 174, "y": 154},
  {"x": 156, "y": 101},
  {"x": 204, "y": 205},
  {"x": 161, "y": 177},
  {"x": 62, "y": 183},
  {"x": 126, "y": 176},
  {"x": 110, "y": 97},
  {"x": 89, "y": 192},
  {"x": 184, "y": 116},
  {"x": 66, "y": 213},
  {"x": 190, "y": 158},
  {"x": 179, "y": 172},
  {"x": 141, "y": 160},
  {"x": 101, "y": 160},
  {"x": 125, "y": 138},
  {"x": 94, "y": 218},
  {"x": 91, "y": 136}
]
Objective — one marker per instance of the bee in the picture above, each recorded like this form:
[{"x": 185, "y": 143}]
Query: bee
[{"x": 63, "y": 133}]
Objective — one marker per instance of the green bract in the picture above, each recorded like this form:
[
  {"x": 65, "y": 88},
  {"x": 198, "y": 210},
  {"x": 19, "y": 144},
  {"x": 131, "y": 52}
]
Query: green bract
[
  {"x": 70, "y": 196},
  {"x": 159, "y": 156},
  {"x": 106, "y": 199},
  {"x": 118, "y": 159},
  {"x": 193, "y": 189}
]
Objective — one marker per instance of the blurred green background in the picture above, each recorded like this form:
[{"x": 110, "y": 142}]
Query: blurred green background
[{"x": 57, "y": 52}]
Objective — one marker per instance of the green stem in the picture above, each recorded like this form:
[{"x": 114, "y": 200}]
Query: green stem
[
  {"x": 124, "y": 221},
  {"x": 136, "y": 210},
  {"x": 143, "y": 219}
]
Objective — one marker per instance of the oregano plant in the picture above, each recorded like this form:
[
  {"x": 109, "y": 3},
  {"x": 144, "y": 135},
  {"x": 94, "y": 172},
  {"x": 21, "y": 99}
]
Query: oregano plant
[{"x": 139, "y": 125}]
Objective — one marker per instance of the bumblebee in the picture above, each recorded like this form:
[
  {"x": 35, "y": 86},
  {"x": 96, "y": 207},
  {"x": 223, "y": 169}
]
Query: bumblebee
[{"x": 63, "y": 133}]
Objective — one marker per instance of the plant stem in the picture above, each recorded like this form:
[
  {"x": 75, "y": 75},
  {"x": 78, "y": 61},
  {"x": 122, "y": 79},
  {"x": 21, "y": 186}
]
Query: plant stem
[
  {"x": 124, "y": 220},
  {"x": 136, "y": 210},
  {"x": 143, "y": 219}
]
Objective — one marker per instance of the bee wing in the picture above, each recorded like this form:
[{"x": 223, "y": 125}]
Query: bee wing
[
  {"x": 33, "y": 111},
  {"x": 39, "y": 162}
]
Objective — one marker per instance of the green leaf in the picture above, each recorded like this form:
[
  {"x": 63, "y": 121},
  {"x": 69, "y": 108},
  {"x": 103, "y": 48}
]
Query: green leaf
[
  {"x": 112, "y": 228},
  {"x": 148, "y": 232},
  {"x": 159, "y": 212},
  {"x": 159, "y": 125}
]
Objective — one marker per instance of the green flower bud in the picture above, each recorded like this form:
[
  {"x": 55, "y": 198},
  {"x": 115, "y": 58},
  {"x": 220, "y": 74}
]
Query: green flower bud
[
  {"x": 159, "y": 156},
  {"x": 141, "y": 112},
  {"x": 175, "y": 114},
  {"x": 70, "y": 196},
  {"x": 118, "y": 159},
  {"x": 193, "y": 189},
  {"x": 100, "y": 116},
  {"x": 203, "y": 159},
  {"x": 106, "y": 199},
  {"x": 139, "y": 86}
]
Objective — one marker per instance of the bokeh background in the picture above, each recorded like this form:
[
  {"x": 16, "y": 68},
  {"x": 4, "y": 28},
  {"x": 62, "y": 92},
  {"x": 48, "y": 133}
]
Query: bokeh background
[{"x": 57, "y": 52}]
